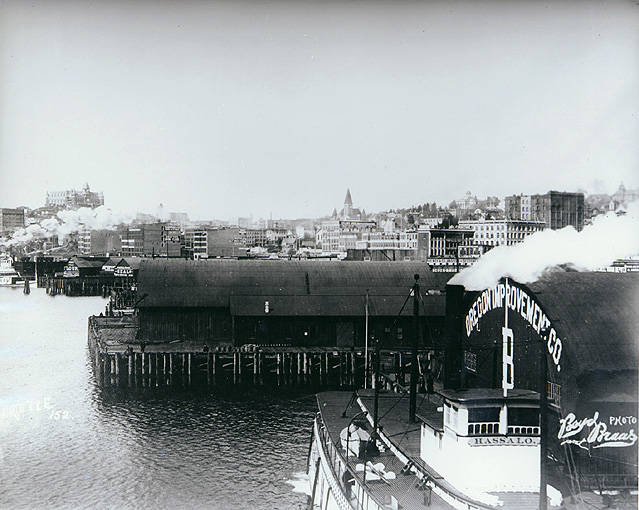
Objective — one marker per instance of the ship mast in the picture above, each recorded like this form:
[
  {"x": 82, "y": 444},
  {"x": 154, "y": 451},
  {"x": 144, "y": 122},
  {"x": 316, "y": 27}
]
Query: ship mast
[{"x": 414, "y": 371}]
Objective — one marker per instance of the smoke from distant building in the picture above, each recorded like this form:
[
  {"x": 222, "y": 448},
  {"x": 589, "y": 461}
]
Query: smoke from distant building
[
  {"x": 608, "y": 238},
  {"x": 68, "y": 222}
]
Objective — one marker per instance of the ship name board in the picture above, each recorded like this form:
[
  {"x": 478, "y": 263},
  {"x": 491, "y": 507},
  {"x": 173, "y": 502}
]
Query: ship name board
[{"x": 503, "y": 441}]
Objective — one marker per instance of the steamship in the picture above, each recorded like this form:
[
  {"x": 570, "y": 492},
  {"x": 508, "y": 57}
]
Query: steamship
[{"x": 554, "y": 426}]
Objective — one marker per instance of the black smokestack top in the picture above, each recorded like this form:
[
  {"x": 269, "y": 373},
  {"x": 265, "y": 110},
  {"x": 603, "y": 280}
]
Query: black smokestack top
[{"x": 454, "y": 329}]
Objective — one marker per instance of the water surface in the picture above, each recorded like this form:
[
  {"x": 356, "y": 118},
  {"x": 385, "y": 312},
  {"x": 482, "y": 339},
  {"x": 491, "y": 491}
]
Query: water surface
[{"x": 65, "y": 444}]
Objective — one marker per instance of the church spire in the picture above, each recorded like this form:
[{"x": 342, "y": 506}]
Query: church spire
[{"x": 348, "y": 200}]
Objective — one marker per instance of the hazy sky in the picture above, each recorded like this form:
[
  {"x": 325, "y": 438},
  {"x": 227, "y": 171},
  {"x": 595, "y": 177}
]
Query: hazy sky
[{"x": 228, "y": 108}]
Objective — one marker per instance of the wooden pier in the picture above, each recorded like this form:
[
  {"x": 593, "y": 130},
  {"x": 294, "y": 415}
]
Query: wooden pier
[{"x": 120, "y": 360}]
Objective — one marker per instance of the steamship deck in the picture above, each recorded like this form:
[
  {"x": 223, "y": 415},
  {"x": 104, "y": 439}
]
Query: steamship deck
[
  {"x": 403, "y": 437},
  {"x": 404, "y": 488}
]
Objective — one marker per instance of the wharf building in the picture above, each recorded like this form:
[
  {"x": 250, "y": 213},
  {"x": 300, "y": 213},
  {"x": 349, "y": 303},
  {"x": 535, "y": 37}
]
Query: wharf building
[
  {"x": 570, "y": 337},
  {"x": 74, "y": 199},
  {"x": 296, "y": 303},
  {"x": 556, "y": 209},
  {"x": 87, "y": 276},
  {"x": 11, "y": 220}
]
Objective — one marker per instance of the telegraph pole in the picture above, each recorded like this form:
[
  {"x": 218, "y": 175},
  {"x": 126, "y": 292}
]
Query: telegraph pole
[
  {"x": 543, "y": 405},
  {"x": 366, "y": 345},
  {"x": 376, "y": 386},
  {"x": 414, "y": 370}
]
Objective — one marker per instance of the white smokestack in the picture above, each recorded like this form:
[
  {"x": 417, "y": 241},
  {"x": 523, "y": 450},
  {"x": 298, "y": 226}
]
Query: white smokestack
[{"x": 608, "y": 238}]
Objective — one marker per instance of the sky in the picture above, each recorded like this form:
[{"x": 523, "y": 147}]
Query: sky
[{"x": 273, "y": 108}]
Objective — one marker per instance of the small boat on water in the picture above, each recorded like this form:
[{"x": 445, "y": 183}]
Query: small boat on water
[{"x": 9, "y": 277}]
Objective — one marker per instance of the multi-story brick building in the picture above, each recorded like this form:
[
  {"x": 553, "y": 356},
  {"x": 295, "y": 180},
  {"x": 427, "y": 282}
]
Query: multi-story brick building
[
  {"x": 11, "y": 220},
  {"x": 501, "y": 232},
  {"x": 340, "y": 235},
  {"x": 143, "y": 240},
  {"x": 444, "y": 242},
  {"x": 99, "y": 242},
  {"x": 171, "y": 240},
  {"x": 556, "y": 209},
  {"x": 225, "y": 242},
  {"x": 378, "y": 246},
  {"x": 195, "y": 242}
]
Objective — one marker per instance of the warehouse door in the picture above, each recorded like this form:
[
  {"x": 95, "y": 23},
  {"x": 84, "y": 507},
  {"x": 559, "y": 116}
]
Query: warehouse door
[{"x": 345, "y": 334}]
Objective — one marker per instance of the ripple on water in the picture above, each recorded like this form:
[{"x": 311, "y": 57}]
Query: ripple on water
[{"x": 123, "y": 451}]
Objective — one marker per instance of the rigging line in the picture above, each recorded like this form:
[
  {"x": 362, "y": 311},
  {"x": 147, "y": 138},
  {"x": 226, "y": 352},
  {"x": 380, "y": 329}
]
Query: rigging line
[
  {"x": 401, "y": 310},
  {"x": 401, "y": 433},
  {"x": 413, "y": 487},
  {"x": 392, "y": 407},
  {"x": 614, "y": 461}
]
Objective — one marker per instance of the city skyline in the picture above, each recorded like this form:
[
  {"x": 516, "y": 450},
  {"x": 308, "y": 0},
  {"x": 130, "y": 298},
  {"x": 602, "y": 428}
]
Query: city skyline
[{"x": 276, "y": 108}]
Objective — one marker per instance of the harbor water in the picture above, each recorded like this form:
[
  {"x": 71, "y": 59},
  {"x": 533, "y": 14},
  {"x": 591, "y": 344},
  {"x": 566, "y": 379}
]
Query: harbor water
[{"x": 66, "y": 444}]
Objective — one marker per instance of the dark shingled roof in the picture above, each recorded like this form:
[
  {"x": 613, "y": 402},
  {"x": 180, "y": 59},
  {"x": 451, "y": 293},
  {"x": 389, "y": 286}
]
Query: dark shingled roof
[
  {"x": 290, "y": 287},
  {"x": 132, "y": 262},
  {"x": 596, "y": 316},
  {"x": 85, "y": 262},
  {"x": 112, "y": 261}
]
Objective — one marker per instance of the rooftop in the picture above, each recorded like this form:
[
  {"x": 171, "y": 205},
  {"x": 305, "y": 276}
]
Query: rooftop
[
  {"x": 596, "y": 316},
  {"x": 291, "y": 287},
  {"x": 490, "y": 396}
]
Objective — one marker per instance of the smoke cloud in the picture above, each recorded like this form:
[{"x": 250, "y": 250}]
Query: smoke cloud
[
  {"x": 68, "y": 222},
  {"x": 608, "y": 238}
]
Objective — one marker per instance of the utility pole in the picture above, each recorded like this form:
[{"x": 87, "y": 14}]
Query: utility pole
[
  {"x": 543, "y": 406},
  {"x": 376, "y": 386},
  {"x": 414, "y": 370},
  {"x": 366, "y": 344}
]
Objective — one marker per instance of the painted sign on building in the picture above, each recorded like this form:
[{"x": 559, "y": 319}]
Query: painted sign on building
[
  {"x": 598, "y": 431},
  {"x": 71, "y": 270},
  {"x": 513, "y": 299},
  {"x": 123, "y": 271}
]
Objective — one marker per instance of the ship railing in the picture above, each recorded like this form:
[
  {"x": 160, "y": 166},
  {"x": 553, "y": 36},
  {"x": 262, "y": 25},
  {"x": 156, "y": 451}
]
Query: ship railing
[
  {"x": 391, "y": 384},
  {"x": 524, "y": 430},
  {"x": 339, "y": 466},
  {"x": 483, "y": 428},
  {"x": 492, "y": 428}
]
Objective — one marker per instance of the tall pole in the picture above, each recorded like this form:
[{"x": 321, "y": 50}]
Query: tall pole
[
  {"x": 366, "y": 344},
  {"x": 376, "y": 386},
  {"x": 414, "y": 371},
  {"x": 543, "y": 405}
]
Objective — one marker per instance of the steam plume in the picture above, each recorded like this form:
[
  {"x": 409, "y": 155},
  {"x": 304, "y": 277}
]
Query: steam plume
[
  {"x": 68, "y": 222},
  {"x": 608, "y": 238}
]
